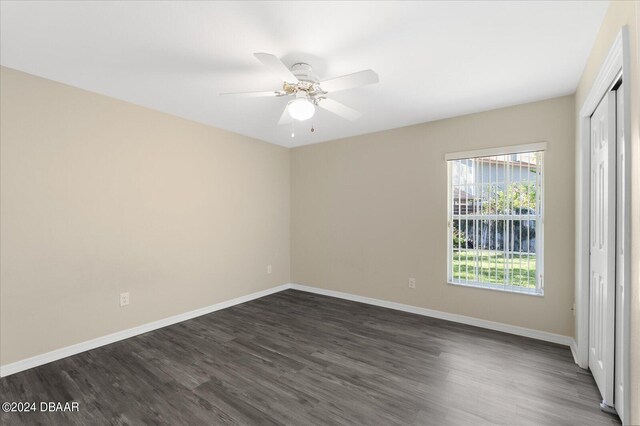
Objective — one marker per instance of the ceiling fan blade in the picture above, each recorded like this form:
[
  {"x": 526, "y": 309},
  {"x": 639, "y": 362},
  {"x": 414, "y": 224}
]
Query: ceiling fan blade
[
  {"x": 285, "y": 118},
  {"x": 350, "y": 81},
  {"x": 276, "y": 66},
  {"x": 252, "y": 94},
  {"x": 339, "y": 109}
]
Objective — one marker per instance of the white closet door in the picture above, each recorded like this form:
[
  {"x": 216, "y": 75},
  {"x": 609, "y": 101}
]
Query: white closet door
[{"x": 602, "y": 246}]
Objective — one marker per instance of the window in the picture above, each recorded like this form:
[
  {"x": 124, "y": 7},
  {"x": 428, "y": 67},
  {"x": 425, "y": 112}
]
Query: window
[{"x": 495, "y": 221}]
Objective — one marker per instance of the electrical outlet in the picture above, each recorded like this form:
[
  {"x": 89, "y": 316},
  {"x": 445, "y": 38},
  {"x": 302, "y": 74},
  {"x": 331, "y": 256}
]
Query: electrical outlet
[
  {"x": 269, "y": 269},
  {"x": 124, "y": 299},
  {"x": 412, "y": 283}
]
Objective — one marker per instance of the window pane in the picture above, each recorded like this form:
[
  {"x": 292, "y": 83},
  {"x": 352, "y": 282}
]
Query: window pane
[{"x": 495, "y": 217}]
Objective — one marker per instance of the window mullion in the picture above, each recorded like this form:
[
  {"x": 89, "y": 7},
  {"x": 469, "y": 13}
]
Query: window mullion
[
  {"x": 474, "y": 220},
  {"x": 521, "y": 202},
  {"x": 494, "y": 194},
  {"x": 506, "y": 227},
  {"x": 459, "y": 228}
]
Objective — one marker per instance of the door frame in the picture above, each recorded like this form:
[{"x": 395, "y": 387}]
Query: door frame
[{"x": 616, "y": 66}]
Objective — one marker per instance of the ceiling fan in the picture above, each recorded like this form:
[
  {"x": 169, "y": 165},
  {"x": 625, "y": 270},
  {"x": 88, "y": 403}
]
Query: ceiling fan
[{"x": 307, "y": 90}]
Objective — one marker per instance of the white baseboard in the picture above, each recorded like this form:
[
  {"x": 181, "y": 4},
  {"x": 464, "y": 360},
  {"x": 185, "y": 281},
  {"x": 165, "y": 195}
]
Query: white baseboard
[
  {"x": 57, "y": 354},
  {"x": 491, "y": 325}
]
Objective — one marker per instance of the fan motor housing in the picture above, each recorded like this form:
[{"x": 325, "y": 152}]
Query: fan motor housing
[
  {"x": 308, "y": 82},
  {"x": 304, "y": 72}
]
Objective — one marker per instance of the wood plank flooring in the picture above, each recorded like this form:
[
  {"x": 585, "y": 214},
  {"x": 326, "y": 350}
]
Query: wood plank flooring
[{"x": 302, "y": 359}]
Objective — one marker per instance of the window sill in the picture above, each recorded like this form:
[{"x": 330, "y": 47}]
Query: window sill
[{"x": 496, "y": 287}]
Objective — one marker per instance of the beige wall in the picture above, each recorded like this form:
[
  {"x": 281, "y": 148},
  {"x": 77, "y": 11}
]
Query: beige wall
[
  {"x": 623, "y": 13},
  {"x": 368, "y": 212},
  {"x": 99, "y": 196}
]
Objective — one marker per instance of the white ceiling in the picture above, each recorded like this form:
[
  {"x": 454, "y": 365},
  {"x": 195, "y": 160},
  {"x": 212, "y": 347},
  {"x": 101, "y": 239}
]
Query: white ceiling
[{"x": 434, "y": 59}]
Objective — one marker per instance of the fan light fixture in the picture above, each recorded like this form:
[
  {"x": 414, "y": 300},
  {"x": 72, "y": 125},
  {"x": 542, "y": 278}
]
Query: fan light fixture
[{"x": 301, "y": 108}]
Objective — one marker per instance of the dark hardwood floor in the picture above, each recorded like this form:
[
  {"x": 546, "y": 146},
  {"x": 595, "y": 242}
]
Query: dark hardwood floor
[{"x": 299, "y": 358}]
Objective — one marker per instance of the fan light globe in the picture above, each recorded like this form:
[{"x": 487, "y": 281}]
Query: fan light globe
[{"x": 301, "y": 109}]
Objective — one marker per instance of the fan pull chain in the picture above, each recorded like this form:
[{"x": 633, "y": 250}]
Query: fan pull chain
[{"x": 293, "y": 133}]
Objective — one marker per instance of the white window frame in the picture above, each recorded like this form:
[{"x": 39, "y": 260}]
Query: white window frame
[{"x": 514, "y": 149}]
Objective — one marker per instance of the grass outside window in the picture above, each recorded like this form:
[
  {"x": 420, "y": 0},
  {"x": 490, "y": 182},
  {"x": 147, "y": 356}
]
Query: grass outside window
[{"x": 486, "y": 266}]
